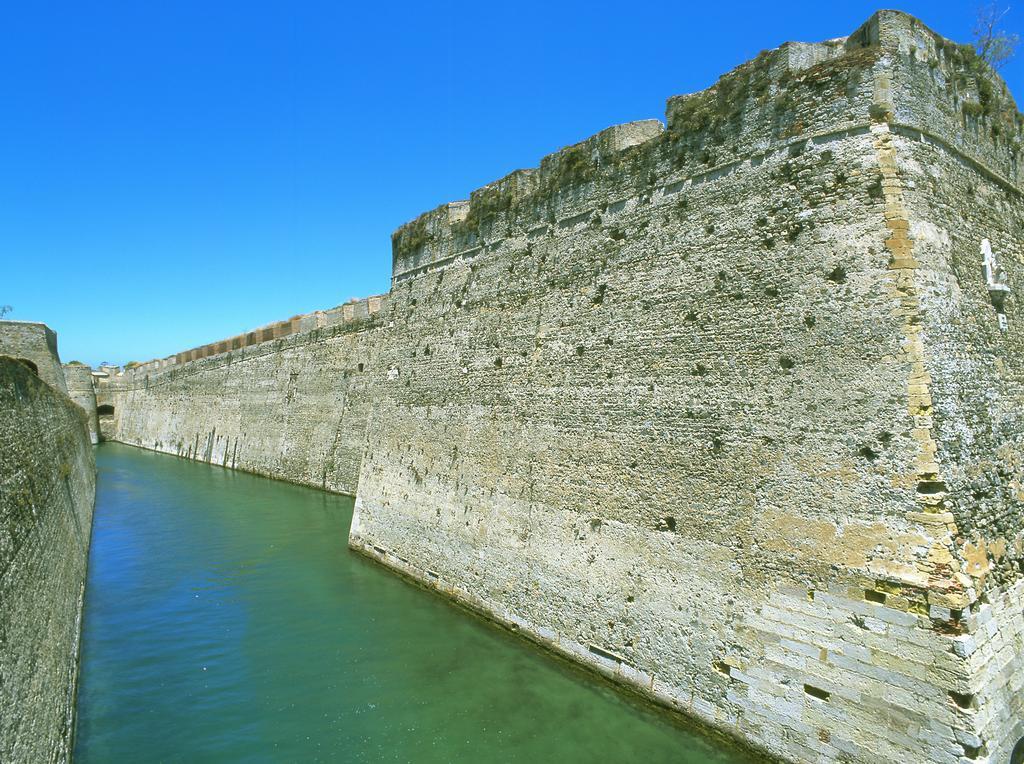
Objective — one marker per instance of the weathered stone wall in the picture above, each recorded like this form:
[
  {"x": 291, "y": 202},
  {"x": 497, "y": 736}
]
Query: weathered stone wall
[
  {"x": 105, "y": 382},
  {"x": 953, "y": 163},
  {"x": 728, "y": 410},
  {"x": 973, "y": 350},
  {"x": 82, "y": 391},
  {"x": 679, "y": 407},
  {"x": 293, "y": 408},
  {"x": 47, "y": 488},
  {"x": 36, "y": 343}
]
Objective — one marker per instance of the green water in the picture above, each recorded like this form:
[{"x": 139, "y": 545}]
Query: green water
[{"x": 225, "y": 620}]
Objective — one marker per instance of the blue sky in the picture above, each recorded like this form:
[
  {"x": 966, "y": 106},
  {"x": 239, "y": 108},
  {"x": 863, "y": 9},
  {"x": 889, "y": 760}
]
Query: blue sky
[{"x": 176, "y": 173}]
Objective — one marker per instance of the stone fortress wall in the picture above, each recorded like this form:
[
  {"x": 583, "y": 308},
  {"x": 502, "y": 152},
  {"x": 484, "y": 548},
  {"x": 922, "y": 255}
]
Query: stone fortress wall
[
  {"x": 47, "y": 490},
  {"x": 290, "y": 401},
  {"x": 36, "y": 343},
  {"x": 728, "y": 410},
  {"x": 349, "y": 312},
  {"x": 81, "y": 389}
]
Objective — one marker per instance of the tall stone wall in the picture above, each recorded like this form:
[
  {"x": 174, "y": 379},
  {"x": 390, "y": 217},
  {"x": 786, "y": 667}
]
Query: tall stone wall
[
  {"x": 82, "y": 391},
  {"x": 293, "y": 408},
  {"x": 47, "y": 488},
  {"x": 728, "y": 410},
  {"x": 36, "y": 343},
  {"x": 972, "y": 345},
  {"x": 725, "y": 411}
]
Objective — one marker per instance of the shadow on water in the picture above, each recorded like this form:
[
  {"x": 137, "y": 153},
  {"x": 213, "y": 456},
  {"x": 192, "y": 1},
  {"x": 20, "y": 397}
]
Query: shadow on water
[{"x": 226, "y": 620}]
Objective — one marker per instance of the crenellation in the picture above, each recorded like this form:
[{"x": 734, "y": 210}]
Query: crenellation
[
  {"x": 754, "y": 99},
  {"x": 947, "y": 90},
  {"x": 351, "y": 311}
]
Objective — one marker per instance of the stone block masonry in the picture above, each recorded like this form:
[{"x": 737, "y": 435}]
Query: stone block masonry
[
  {"x": 728, "y": 409},
  {"x": 293, "y": 406},
  {"x": 82, "y": 391},
  {"x": 35, "y": 344},
  {"x": 47, "y": 489}
]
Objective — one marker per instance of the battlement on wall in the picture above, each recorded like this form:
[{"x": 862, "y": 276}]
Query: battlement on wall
[
  {"x": 893, "y": 68},
  {"x": 351, "y": 312}
]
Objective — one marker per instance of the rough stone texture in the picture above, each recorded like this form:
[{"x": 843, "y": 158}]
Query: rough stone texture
[
  {"x": 729, "y": 411},
  {"x": 82, "y": 391},
  {"x": 36, "y": 343},
  {"x": 47, "y": 489},
  {"x": 104, "y": 379},
  {"x": 747, "y": 436},
  {"x": 293, "y": 408}
]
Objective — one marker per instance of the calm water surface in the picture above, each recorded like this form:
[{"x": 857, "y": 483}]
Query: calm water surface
[{"x": 225, "y": 620}]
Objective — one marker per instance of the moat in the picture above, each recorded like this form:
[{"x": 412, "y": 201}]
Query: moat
[{"x": 226, "y": 620}]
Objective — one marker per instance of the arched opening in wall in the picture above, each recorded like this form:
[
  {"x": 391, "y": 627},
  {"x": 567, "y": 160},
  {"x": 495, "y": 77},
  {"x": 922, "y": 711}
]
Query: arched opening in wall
[
  {"x": 1017, "y": 757},
  {"x": 105, "y": 410},
  {"x": 32, "y": 367}
]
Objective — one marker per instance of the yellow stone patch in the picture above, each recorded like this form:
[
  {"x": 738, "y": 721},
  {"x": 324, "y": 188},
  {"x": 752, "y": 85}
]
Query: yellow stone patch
[{"x": 976, "y": 558}]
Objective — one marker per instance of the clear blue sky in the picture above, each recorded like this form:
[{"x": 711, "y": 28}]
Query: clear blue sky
[{"x": 176, "y": 173}]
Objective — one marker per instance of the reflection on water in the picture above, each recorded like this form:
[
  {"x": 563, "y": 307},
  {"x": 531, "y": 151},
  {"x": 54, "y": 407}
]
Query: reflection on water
[{"x": 225, "y": 620}]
